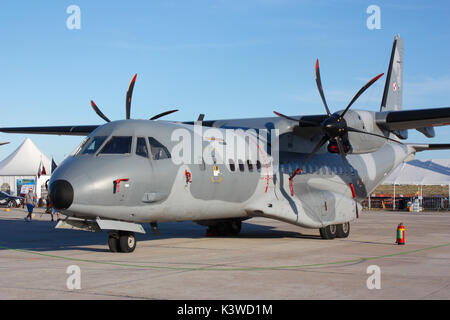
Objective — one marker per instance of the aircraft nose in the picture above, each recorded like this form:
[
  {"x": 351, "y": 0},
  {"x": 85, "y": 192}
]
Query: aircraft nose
[{"x": 61, "y": 194}]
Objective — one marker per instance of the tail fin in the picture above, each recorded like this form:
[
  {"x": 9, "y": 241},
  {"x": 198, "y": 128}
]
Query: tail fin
[{"x": 393, "y": 89}]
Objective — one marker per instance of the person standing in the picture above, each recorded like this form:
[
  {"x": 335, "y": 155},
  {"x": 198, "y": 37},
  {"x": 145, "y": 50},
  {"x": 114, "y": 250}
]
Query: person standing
[{"x": 30, "y": 202}]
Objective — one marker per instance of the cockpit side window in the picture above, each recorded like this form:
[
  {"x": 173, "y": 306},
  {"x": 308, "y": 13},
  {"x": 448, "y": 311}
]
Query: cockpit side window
[
  {"x": 92, "y": 145},
  {"x": 158, "y": 150},
  {"x": 141, "y": 148},
  {"x": 117, "y": 145}
]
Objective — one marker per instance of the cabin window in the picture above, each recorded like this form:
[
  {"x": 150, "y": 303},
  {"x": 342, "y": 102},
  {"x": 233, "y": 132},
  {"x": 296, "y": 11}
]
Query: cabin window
[
  {"x": 250, "y": 166},
  {"x": 241, "y": 166},
  {"x": 231, "y": 165},
  {"x": 141, "y": 148},
  {"x": 92, "y": 145},
  {"x": 258, "y": 165},
  {"x": 117, "y": 145},
  {"x": 158, "y": 150}
]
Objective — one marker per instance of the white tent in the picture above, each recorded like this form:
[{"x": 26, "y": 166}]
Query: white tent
[
  {"x": 22, "y": 166},
  {"x": 417, "y": 172}
]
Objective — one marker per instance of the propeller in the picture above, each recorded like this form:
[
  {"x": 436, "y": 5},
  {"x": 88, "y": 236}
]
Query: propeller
[
  {"x": 334, "y": 128},
  {"x": 128, "y": 105}
]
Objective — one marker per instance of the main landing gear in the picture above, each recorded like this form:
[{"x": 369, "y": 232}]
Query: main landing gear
[
  {"x": 122, "y": 241},
  {"x": 335, "y": 231},
  {"x": 225, "y": 228}
]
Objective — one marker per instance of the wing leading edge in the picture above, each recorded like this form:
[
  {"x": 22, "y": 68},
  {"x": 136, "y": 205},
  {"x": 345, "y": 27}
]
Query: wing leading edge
[
  {"x": 55, "y": 130},
  {"x": 413, "y": 119}
]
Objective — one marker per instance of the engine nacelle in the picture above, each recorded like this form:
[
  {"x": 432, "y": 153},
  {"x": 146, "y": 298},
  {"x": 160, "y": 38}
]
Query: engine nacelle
[{"x": 364, "y": 121}]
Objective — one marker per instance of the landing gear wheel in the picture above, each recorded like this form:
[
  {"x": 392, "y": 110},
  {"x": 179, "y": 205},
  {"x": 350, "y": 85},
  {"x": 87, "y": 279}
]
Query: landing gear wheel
[
  {"x": 223, "y": 229},
  {"x": 328, "y": 232},
  {"x": 113, "y": 243},
  {"x": 343, "y": 230},
  {"x": 127, "y": 241},
  {"x": 11, "y": 204},
  {"x": 235, "y": 227}
]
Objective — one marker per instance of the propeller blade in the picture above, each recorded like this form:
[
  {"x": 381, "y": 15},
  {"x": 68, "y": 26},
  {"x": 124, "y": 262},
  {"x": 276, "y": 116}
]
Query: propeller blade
[
  {"x": 163, "y": 114},
  {"x": 372, "y": 134},
  {"x": 316, "y": 148},
  {"x": 360, "y": 92},
  {"x": 342, "y": 154},
  {"x": 201, "y": 116},
  {"x": 319, "y": 86},
  {"x": 299, "y": 121},
  {"x": 344, "y": 159},
  {"x": 97, "y": 110},
  {"x": 129, "y": 95}
]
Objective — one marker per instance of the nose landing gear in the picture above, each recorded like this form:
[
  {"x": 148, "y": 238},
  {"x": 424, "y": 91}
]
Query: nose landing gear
[{"x": 122, "y": 241}]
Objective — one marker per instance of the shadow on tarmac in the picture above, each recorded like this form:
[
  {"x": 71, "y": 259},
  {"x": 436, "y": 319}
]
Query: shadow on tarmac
[{"x": 41, "y": 235}]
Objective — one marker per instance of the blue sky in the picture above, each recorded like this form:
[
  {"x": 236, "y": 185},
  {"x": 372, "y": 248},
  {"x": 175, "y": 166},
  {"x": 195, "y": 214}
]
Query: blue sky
[{"x": 226, "y": 59}]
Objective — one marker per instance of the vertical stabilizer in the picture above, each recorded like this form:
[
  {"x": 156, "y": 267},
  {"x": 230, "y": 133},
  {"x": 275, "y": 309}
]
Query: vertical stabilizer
[{"x": 393, "y": 89}]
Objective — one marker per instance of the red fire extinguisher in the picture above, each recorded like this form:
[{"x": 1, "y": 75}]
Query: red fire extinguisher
[{"x": 401, "y": 234}]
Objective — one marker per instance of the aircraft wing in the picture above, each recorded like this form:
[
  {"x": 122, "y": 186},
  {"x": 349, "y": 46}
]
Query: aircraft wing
[
  {"x": 56, "y": 130},
  {"x": 413, "y": 119},
  {"x": 424, "y": 147}
]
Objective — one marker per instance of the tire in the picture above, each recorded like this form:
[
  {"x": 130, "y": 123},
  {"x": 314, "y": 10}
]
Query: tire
[
  {"x": 127, "y": 241},
  {"x": 328, "y": 232},
  {"x": 343, "y": 230},
  {"x": 223, "y": 229},
  {"x": 113, "y": 244},
  {"x": 235, "y": 227}
]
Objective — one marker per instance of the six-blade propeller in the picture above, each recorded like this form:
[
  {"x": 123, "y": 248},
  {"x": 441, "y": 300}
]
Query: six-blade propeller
[
  {"x": 128, "y": 105},
  {"x": 334, "y": 129}
]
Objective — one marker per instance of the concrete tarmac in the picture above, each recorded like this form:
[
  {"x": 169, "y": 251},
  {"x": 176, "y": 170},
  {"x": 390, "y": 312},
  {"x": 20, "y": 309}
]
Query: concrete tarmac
[{"x": 268, "y": 260}]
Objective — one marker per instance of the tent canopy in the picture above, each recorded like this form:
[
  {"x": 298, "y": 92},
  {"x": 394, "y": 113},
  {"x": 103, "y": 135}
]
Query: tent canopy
[
  {"x": 25, "y": 161},
  {"x": 417, "y": 172}
]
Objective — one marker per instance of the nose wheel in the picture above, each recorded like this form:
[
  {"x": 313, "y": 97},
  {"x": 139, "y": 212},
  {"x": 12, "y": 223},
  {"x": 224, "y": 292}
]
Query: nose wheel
[{"x": 122, "y": 241}]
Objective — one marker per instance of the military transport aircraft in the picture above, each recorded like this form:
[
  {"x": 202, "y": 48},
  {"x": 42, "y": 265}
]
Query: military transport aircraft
[{"x": 124, "y": 173}]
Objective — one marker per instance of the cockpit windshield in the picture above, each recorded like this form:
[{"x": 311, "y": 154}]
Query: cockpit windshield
[
  {"x": 117, "y": 145},
  {"x": 92, "y": 145}
]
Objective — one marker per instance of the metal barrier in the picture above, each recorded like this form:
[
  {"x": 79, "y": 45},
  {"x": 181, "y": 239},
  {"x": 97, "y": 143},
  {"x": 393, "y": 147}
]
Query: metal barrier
[{"x": 401, "y": 203}]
